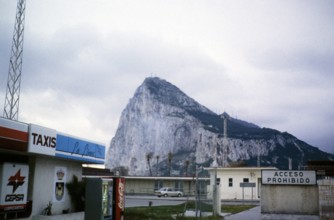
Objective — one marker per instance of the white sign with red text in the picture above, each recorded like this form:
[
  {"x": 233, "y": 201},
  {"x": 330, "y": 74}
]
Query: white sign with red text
[
  {"x": 14, "y": 186},
  {"x": 42, "y": 140}
]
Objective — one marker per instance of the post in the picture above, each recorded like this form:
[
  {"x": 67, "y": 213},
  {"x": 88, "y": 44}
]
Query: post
[
  {"x": 196, "y": 192},
  {"x": 218, "y": 199},
  {"x": 216, "y": 196}
]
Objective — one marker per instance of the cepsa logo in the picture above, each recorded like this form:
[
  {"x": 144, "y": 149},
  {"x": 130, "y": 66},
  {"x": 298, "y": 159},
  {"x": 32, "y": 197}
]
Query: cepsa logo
[{"x": 44, "y": 140}]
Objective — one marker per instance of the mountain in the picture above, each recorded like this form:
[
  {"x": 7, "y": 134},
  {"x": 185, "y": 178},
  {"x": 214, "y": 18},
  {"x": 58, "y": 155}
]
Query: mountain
[{"x": 162, "y": 131}]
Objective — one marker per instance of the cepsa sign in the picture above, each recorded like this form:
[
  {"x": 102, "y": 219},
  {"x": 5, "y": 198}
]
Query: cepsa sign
[
  {"x": 288, "y": 177},
  {"x": 14, "y": 186}
]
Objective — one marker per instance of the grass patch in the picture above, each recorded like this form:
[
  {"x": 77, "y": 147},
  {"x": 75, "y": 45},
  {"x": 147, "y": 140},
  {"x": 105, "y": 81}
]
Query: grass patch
[
  {"x": 236, "y": 208},
  {"x": 165, "y": 212}
]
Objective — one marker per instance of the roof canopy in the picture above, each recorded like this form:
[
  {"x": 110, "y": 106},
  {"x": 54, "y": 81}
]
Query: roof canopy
[{"x": 34, "y": 139}]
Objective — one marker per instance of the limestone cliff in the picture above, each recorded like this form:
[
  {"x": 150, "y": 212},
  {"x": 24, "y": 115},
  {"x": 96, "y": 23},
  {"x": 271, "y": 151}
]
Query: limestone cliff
[{"x": 162, "y": 124}]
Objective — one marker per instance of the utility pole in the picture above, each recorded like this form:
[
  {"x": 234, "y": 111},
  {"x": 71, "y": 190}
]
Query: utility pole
[
  {"x": 11, "y": 108},
  {"x": 225, "y": 117},
  {"x": 197, "y": 196},
  {"x": 258, "y": 154},
  {"x": 216, "y": 204}
]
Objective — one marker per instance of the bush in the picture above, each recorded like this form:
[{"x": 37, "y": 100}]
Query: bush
[{"x": 76, "y": 190}]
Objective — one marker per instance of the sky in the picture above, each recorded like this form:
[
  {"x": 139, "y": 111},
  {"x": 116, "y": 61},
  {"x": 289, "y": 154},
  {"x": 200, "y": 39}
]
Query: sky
[{"x": 269, "y": 62}]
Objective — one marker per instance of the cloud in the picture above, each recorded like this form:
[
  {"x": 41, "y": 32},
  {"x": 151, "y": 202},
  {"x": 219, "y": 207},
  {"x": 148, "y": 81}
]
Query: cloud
[
  {"x": 267, "y": 62},
  {"x": 77, "y": 78}
]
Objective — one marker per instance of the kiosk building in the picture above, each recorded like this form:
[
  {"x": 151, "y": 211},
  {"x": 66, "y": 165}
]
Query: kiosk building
[{"x": 36, "y": 163}]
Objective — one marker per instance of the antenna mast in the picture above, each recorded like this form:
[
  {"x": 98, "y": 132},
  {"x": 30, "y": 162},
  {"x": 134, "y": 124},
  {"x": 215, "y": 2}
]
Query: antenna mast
[
  {"x": 225, "y": 117},
  {"x": 11, "y": 108},
  {"x": 258, "y": 154}
]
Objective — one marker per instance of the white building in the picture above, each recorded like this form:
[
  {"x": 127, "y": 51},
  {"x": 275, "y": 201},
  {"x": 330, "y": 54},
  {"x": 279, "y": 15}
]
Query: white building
[{"x": 237, "y": 183}]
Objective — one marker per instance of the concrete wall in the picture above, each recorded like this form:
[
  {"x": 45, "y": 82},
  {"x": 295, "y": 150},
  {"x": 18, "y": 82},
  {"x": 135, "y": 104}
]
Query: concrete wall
[
  {"x": 41, "y": 183},
  {"x": 287, "y": 199},
  {"x": 147, "y": 186},
  {"x": 139, "y": 187},
  {"x": 326, "y": 198}
]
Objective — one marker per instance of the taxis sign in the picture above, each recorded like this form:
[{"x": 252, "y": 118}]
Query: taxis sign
[{"x": 42, "y": 140}]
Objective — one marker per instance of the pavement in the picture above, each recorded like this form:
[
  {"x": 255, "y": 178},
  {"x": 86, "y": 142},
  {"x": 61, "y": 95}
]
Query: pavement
[{"x": 251, "y": 214}]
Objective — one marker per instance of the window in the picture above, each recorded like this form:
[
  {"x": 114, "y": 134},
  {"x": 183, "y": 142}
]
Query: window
[
  {"x": 230, "y": 182},
  {"x": 246, "y": 180},
  {"x": 158, "y": 184},
  {"x": 178, "y": 185}
]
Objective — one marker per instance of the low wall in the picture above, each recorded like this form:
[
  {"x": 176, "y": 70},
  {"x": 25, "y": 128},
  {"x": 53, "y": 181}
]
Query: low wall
[
  {"x": 288, "y": 217},
  {"x": 326, "y": 199},
  {"x": 70, "y": 216},
  {"x": 289, "y": 202}
]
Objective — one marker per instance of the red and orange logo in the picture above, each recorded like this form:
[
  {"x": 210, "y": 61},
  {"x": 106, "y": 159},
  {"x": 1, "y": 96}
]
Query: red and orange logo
[{"x": 16, "y": 180}]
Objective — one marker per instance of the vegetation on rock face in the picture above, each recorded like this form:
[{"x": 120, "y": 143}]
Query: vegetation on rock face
[{"x": 149, "y": 156}]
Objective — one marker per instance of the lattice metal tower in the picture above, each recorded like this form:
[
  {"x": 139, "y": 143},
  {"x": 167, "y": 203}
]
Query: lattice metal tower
[{"x": 11, "y": 108}]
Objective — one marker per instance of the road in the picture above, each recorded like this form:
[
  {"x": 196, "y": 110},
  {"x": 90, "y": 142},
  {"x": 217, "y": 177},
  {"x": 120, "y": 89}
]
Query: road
[
  {"x": 140, "y": 201},
  {"x": 136, "y": 201}
]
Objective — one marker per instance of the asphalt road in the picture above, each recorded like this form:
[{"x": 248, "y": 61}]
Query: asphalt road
[
  {"x": 137, "y": 201},
  {"x": 140, "y": 201}
]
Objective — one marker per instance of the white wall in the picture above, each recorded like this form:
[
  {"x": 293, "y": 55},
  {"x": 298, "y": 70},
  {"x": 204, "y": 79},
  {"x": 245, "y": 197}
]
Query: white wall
[
  {"x": 41, "y": 183},
  {"x": 235, "y": 192}
]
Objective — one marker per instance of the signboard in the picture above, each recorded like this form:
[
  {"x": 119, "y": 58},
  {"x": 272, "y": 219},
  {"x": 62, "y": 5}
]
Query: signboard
[
  {"x": 59, "y": 184},
  {"x": 42, "y": 140},
  {"x": 79, "y": 149},
  {"x": 119, "y": 198},
  {"x": 49, "y": 142},
  {"x": 14, "y": 186},
  {"x": 13, "y": 135},
  {"x": 107, "y": 198},
  {"x": 247, "y": 184},
  {"x": 288, "y": 177}
]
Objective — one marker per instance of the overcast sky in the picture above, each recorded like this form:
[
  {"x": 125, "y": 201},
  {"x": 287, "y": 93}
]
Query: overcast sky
[{"x": 266, "y": 62}]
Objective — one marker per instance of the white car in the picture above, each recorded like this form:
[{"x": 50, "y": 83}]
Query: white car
[{"x": 166, "y": 191}]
